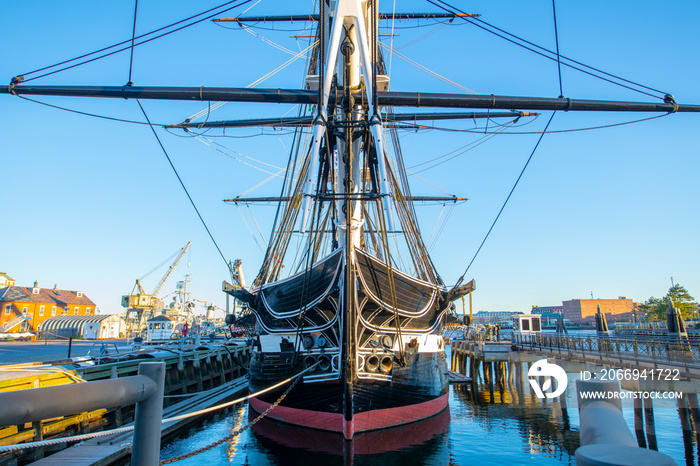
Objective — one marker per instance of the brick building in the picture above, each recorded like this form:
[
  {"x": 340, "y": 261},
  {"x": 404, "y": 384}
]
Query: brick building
[
  {"x": 584, "y": 310},
  {"x": 23, "y": 308}
]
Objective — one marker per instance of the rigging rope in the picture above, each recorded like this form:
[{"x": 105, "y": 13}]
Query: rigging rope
[
  {"x": 467, "y": 148},
  {"x": 430, "y": 183},
  {"x": 250, "y": 230},
  {"x": 242, "y": 2},
  {"x": 459, "y": 281},
  {"x": 133, "y": 37},
  {"x": 502, "y": 33},
  {"x": 391, "y": 41},
  {"x": 77, "y": 438},
  {"x": 418, "y": 39},
  {"x": 213, "y": 144},
  {"x": 236, "y": 431},
  {"x": 429, "y": 71},
  {"x": 263, "y": 182},
  {"x": 442, "y": 227},
  {"x": 228, "y": 266},
  {"x": 390, "y": 275},
  {"x": 557, "y": 131},
  {"x": 104, "y": 117},
  {"x": 430, "y": 238},
  {"x": 556, "y": 38},
  {"x": 266, "y": 40},
  {"x": 256, "y": 224},
  {"x": 254, "y": 83}
]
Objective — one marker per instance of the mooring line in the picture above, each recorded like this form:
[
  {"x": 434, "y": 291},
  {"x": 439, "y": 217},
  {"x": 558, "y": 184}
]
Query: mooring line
[{"x": 78, "y": 438}]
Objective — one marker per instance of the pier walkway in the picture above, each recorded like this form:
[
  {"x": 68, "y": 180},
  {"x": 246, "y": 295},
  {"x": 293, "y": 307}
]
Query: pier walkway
[
  {"x": 676, "y": 364},
  {"x": 643, "y": 365}
]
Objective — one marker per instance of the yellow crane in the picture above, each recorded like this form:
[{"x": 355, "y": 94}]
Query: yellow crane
[{"x": 140, "y": 306}]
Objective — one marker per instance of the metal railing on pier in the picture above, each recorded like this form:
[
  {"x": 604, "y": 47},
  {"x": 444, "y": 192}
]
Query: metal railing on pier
[{"x": 657, "y": 351}]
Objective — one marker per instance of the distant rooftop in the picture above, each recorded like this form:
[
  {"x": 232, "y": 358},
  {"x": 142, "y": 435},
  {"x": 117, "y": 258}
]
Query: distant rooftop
[{"x": 26, "y": 294}]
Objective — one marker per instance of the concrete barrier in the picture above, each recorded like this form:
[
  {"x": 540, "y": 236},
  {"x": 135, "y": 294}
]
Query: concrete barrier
[
  {"x": 605, "y": 437},
  {"x": 145, "y": 389}
]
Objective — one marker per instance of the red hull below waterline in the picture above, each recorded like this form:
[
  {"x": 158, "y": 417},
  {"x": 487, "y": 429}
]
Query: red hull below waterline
[{"x": 361, "y": 422}]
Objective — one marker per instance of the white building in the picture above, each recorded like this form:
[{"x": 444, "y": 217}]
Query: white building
[{"x": 91, "y": 327}]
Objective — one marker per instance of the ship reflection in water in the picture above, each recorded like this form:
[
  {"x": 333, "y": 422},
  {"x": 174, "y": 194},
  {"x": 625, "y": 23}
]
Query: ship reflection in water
[
  {"x": 487, "y": 422},
  {"x": 508, "y": 424},
  {"x": 420, "y": 443}
]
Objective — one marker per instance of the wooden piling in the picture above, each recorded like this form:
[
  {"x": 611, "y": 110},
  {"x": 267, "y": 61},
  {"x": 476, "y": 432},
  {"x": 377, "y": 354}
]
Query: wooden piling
[
  {"x": 649, "y": 422},
  {"x": 694, "y": 409},
  {"x": 197, "y": 366},
  {"x": 692, "y": 400},
  {"x": 639, "y": 422},
  {"x": 220, "y": 365},
  {"x": 511, "y": 369},
  {"x": 686, "y": 426},
  {"x": 684, "y": 414},
  {"x": 564, "y": 410},
  {"x": 38, "y": 436}
]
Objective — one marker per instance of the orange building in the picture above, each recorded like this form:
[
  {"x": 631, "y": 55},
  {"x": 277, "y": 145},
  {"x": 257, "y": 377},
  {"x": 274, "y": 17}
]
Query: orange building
[
  {"x": 6, "y": 280},
  {"x": 584, "y": 310},
  {"x": 23, "y": 308}
]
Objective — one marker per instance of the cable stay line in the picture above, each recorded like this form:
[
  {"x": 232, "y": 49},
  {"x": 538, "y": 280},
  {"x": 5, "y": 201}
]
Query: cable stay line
[
  {"x": 461, "y": 278},
  {"x": 167, "y": 260},
  {"x": 228, "y": 266}
]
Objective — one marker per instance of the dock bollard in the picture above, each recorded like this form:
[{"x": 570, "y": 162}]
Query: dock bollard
[
  {"x": 148, "y": 418},
  {"x": 606, "y": 439}
]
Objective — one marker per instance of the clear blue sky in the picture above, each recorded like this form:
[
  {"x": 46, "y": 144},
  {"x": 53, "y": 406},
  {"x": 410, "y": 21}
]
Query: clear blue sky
[{"x": 91, "y": 205}]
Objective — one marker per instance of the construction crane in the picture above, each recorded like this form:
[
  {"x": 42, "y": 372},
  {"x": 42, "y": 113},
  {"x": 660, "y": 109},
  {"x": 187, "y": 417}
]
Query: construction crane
[{"x": 144, "y": 305}]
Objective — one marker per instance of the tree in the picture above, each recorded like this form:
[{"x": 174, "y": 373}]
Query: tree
[{"x": 655, "y": 308}]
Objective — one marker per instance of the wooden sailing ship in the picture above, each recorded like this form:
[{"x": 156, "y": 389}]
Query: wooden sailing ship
[
  {"x": 364, "y": 308},
  {"x": 370, "y": 332}
]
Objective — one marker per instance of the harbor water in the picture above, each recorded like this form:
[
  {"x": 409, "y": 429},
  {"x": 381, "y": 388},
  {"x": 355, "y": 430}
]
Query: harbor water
[{"x": 485, "y": 423}]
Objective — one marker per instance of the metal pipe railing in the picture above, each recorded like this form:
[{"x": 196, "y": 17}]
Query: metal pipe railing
[{"x": 146, "y": 390}]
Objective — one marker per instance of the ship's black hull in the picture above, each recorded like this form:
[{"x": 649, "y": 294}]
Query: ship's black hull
[{"x": 416, "y": 391}]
